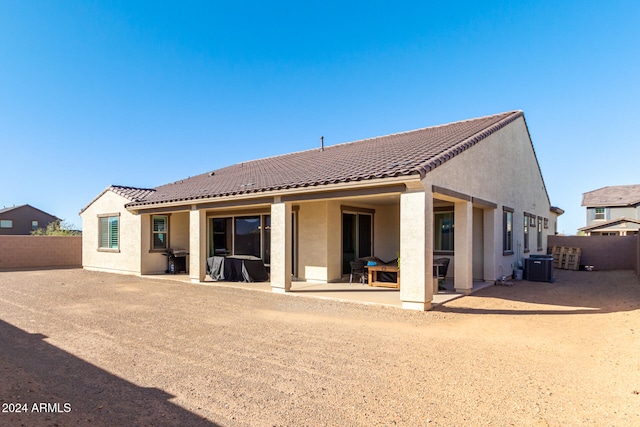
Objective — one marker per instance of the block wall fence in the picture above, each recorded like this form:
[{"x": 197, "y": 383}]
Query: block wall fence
[
  {"x": 604, "y": 252},
  {"x": 24, "y": 252}
]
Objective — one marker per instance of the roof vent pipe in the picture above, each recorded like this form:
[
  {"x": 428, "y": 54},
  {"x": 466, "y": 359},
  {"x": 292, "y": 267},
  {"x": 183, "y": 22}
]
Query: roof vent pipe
[{"x": 322, "y": 143}]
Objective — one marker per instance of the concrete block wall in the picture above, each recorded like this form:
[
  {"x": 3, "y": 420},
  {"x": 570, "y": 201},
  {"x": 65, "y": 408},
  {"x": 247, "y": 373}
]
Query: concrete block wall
[
  {"x": 604, "y": 252},
  {"x": 40, "y": 251}
]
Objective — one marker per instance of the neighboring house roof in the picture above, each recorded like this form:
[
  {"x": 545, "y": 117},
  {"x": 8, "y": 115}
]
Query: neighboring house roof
[
  {"x": 619, "y": 195},
  {"x": 606, "y": 224},
  {"x": 402, "y": 154},
  {"x": 556, "y": 210},
  {"x": 131, "y": 193},
  {"x": 12, "y": 208}
]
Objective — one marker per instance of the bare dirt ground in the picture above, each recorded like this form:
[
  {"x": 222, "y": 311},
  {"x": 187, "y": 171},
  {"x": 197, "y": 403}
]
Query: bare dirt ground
[{"x": 86, "y": 348}]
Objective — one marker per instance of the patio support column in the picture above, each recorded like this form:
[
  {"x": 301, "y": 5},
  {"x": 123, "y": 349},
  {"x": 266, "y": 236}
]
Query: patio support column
[
  {"x": 492, "y": 237},
  {"x": 197, "y": 244},
  {"x": 463, "y": 244},
  {"x": 416, "y": 248},
  {"x": 281, "y": 246}
]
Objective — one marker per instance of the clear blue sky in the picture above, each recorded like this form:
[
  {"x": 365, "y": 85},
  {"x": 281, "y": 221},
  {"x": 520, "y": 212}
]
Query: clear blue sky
[{"x": 145, "y": 93}]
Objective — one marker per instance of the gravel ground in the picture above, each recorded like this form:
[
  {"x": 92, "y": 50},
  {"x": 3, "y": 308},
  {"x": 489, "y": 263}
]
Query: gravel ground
[{"x": 87, "y": 348}]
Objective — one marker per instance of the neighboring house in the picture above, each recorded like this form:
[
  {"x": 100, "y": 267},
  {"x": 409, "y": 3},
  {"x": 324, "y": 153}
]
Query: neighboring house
[
  {"x": 612, "y": 211},
  {"x": 471, "y": 191},
  {"x": 23, "y": 220}
]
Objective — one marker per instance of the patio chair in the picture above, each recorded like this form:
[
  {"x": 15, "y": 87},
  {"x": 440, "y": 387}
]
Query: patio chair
[
  {"x": 357, "y": 269},
  {"x": 441, "y": 271}
]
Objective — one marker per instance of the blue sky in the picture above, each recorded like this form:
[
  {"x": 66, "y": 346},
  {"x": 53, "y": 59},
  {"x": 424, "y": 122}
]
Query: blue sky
[{"x": 145, "y": 93}]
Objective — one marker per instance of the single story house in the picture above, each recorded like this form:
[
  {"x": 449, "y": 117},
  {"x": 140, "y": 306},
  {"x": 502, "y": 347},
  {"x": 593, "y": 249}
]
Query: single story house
[
  {"x": 471, "y": 191},
  {"x": 23, "y": 219},
  {"x": 612, "y": 211}
]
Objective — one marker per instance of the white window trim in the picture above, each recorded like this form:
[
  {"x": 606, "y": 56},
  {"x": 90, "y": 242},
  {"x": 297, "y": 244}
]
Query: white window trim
[{"x": 103, "y": 249}]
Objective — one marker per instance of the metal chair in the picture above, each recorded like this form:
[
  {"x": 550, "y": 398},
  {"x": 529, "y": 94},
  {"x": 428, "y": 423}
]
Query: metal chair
[
  {"x": 441, "y": 271},
  {"x": 357, "y": 269}
]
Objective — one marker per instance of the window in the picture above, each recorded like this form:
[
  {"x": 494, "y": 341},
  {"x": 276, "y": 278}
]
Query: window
[
  {"x": 546, "y": 223},
  {"x": 109, "y": 232},
  {"x": 34, "y": 225},
  {"x": 6, "y": 223},
  {"x": 526, "y": 233},
  {"x": 600, "y": 213},
  {"x": 160, "y": 232},
  {"x": 220, "y": 243},
  {"x": 539, "y": 233},
  {"x": 507, "y": 231},
  {"x": 247, "y": 236},
  {"x": 241, "y": 235},
  {"x": 443, "y": 232}
]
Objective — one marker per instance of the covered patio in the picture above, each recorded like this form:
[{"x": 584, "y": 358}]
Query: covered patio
[{"x": 339, "y": 291}]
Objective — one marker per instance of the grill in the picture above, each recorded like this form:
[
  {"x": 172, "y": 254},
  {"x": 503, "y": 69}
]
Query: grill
[{"x": 176, "y": 260}]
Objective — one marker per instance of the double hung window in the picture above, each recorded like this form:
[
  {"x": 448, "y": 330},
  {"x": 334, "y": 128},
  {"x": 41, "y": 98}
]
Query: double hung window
[{"x": 160, "y": 232}]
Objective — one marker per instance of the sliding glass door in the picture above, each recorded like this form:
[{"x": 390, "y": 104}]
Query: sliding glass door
[{"x": 357, "y": 238}]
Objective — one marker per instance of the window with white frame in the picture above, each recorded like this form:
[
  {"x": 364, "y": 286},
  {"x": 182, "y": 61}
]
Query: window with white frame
[
  {"x": 34, "y": 225},
  {"x": 6, "y": 223},
  {"x": 159, "y": 232},
  {"x": 600, "y": 213},
  {"x": 109, "y": 232}
]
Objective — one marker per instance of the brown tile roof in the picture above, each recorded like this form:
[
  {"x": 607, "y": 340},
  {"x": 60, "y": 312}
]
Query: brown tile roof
[
  {"x": 619, "y": 195},
  {"x": 131, "y": 193},
  {"x": 408, "y": 153}
]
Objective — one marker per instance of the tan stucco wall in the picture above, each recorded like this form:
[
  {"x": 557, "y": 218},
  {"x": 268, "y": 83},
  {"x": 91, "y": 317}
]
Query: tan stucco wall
[
  {"x": 386, "y": 232},
  {"x": 127, "y": 259},
  {"x": 155, "y": 262},
  {"x": 313, "y": 241},
  {"x": 320, "y": 237},
  {"x": 501, "y": 169}
]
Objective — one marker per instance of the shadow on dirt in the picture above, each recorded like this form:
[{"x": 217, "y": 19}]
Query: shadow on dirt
[
  {"x": 573, "y": 292},
  {"x": 49, "y": 386}
]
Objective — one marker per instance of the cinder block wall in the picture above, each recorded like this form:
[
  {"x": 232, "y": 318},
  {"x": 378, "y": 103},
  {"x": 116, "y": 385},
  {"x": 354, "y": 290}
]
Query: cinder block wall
[
  {"x": 603, "y": 252},
  {"x": 40, "y": 251}
]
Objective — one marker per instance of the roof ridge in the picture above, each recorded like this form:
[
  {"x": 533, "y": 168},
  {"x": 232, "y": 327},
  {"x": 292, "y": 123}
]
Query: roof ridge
[
  {"x": 129, "y": 187},
  {"x": 506, "y": 114},
  {"x": 405, "y": 153},
  {"x": 470, "y": 141}
]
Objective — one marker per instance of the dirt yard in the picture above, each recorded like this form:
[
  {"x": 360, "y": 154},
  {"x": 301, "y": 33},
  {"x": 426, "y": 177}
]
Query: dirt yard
[{"x": 86, "y": 348}]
